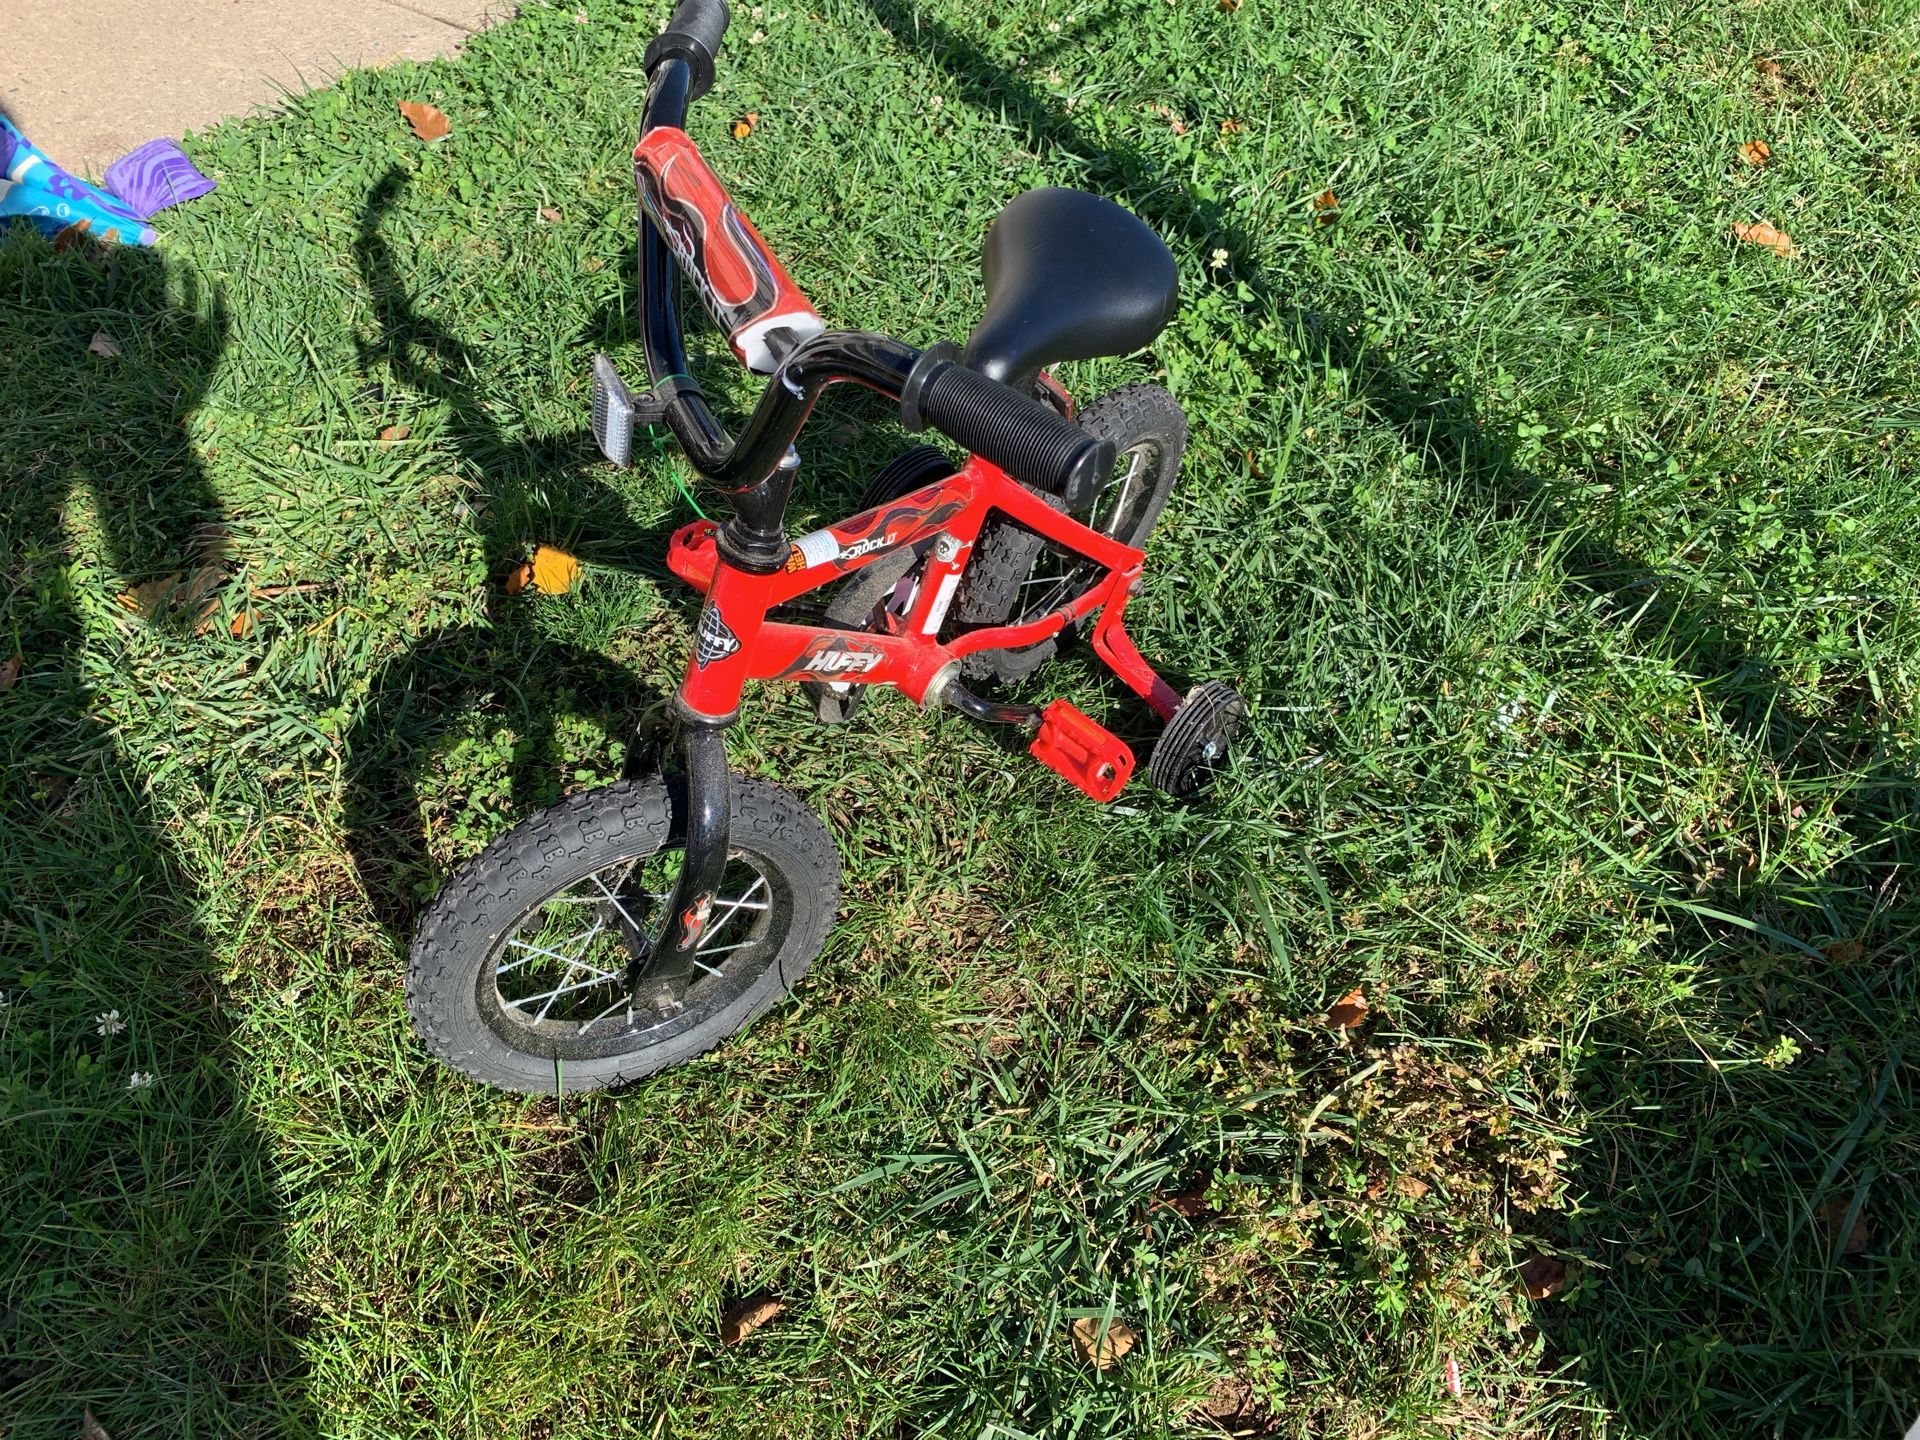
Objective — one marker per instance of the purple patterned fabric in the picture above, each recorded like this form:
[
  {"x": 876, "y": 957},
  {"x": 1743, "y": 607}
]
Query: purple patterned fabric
[{"x": 155, "y": 176}]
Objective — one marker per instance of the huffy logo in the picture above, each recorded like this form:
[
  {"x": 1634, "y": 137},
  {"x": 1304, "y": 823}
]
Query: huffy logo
[
  {"x": 836, "y": 660},
  {"x": 713, "y": 640}
]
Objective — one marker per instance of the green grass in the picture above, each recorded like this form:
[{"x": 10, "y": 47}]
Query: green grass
[{"x": 1566, "y": 547}]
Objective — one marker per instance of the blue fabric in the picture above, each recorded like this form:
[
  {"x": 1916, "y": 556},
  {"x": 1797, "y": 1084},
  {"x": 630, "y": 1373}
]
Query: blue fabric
[{"x": 33, "y": 186}]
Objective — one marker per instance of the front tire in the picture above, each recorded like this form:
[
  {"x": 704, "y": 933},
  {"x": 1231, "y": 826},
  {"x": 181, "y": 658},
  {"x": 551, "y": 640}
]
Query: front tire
[{"x": 519, "y": 976}]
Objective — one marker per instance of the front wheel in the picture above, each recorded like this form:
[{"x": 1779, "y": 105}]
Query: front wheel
[{"x": 521, "y": 976}]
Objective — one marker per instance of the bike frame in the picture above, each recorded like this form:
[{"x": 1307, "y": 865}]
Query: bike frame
[{"x": 737, "y": 642}]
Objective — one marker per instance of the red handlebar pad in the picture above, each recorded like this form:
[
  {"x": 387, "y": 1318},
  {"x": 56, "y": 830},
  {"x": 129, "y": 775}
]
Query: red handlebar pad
[{"x": 747, "y": 291}]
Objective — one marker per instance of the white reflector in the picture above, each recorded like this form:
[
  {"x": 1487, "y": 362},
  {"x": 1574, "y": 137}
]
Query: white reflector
[{"x": 612, "y": 412}]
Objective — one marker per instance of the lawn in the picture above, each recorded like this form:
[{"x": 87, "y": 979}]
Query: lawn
[{"x": 1565, "y": 544}]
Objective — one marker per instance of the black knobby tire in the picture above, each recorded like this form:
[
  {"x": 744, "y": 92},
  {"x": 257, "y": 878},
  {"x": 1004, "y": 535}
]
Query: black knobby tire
[
  {"x": 1149, "y": 430},
  {"x": 461, "y": 1007}
]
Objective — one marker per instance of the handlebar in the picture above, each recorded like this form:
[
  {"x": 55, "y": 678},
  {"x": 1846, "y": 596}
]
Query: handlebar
[
  {"x": 693, "y": 35},
  {"x": 686, "y": 219}
]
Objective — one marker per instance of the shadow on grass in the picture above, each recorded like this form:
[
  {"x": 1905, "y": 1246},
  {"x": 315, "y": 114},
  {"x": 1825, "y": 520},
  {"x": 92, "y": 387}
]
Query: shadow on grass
[
  {"x": 1747, "y": 1273},
  {"x": 506, "y": 665},
  {"x": 141, "y": 1269}
]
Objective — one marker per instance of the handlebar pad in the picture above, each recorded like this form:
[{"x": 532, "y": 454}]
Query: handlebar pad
[
  {"x": 1025, "y": 437},
  {"x": 694, "y": 35}
]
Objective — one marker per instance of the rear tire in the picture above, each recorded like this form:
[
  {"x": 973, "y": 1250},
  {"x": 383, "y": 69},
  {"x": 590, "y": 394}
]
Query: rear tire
[
  {"x": 1008, "y": 579},
  {"x": 547, "y": 866}
]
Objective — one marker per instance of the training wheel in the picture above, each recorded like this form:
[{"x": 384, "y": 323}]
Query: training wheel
[{"x": 1196, "y": 739}]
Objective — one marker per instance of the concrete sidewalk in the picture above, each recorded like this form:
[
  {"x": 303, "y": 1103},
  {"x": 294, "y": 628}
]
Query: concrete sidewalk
[{"x": 87, "y": 80}]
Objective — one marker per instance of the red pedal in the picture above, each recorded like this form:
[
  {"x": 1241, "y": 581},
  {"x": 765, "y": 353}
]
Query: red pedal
[{"x": 1083, "y": 750}]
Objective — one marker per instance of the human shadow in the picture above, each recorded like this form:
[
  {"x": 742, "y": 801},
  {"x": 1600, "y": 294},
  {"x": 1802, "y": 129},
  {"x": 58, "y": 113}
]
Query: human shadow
[
  {"x": 1713, "y": 1297},
  {"x": 142, "y": 1269},
  {"x": 505, "y": 666}
]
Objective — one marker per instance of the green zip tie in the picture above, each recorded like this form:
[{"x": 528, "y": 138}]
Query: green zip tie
[{"x": 674, "y": 470}]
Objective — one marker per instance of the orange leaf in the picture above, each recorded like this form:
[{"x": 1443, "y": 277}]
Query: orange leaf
[
  {"x": 743, "y": 126},
  {"x": 394, "y": 432},
  {"x": 554, "y": 571},
  {"x": 1541, "y": 1276},
  {"x": 9, "y": 673},
  {"x": 428, "y": 123},
  {"x": 1232, "y": 127},
  {"x": 1229, "y": 5},
  {"x": 1348, "y": 1011},
  {"x": 242, "y": 625},
  {"x": 519, "y": 577},
  {"x": 1325, "y": 206},
  {"x": 1764, "y": 234},
  {"x": 747, "y": 1316},
  {"x": 1102, "y": 1346},
  {"x": 1756, "y": 152}
]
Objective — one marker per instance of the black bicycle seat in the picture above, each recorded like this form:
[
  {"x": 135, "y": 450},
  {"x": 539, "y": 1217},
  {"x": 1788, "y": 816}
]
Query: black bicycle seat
[{"x": 1069, "y": 276}]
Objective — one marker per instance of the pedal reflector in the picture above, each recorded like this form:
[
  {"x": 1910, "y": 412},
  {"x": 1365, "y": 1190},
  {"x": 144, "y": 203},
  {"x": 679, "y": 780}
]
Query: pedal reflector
[{"x": 1075, "y": 745}]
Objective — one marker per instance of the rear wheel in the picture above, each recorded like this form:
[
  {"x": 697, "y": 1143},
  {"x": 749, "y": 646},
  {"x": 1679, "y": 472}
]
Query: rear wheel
[
  {"x": 520, "y": 975},
  {"x": 1015, "y": 576}
]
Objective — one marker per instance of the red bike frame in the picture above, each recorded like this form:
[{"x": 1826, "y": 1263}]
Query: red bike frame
[{"x": 736, "y": 642}]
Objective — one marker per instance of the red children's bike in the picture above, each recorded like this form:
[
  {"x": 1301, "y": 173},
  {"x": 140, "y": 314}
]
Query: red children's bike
[{"x": 633, "y": 927}]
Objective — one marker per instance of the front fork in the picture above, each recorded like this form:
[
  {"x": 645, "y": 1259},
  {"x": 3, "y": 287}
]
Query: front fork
[{"x": 662, "y": 970}]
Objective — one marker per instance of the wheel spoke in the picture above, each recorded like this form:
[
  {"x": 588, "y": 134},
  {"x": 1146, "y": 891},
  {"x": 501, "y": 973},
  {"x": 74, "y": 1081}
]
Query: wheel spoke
[
  {"x": 632, "y": 924},
  {"x": 598, "y": 977},
  {"x": 624, "y": 1002},
  {"x": 733, "y": 908},
  {"x": 585, "y": 939}
]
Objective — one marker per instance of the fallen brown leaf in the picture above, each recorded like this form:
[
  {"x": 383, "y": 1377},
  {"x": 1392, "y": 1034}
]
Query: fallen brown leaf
[
  {"x": 748, "y": 1315},
  {"x": 428, "y": 123},
  {"x": 1103, "y": 1348},
  {"x": 549, "y": 214},
  {"x": 92, "y": 1429},
  {"x": 1190, "y": 1203},
  {"x": 1231, "y": 1399},
  {"x": 9, "y": 673},
  {"x": 1172, "y": 117},
  {"x": 519, "y": 577},
  {"x": 1765, "y": 234},
  {"x": 1845, "y": 952},
  {"x": 1229, "y": 5},
  {"x": 1833, "y": 1214},
  {"x": 1232, "y": 127},
  {"x": 1766, "y": 66},
  {"x": 1325, "y": 206},
  {"x": 393, "y": 433},
  {"x": 1541, "y": 1276},
  {"x": 242, "y": 625},
  {"x": 743, "y": 125},
  {"x": 1349, "y": 1010},
  {"x": 555, "y": 572},
  {"x": 103, "y": 345},
  {"x": 1756, "y": 152},
  {"x": 149, "y": 597}
]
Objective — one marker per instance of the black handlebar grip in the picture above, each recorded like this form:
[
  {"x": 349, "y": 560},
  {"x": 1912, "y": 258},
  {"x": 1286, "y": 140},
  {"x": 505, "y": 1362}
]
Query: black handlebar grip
[
  {"x": 693, "y": 35},
  {"x": 1025, "y": 437}
]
